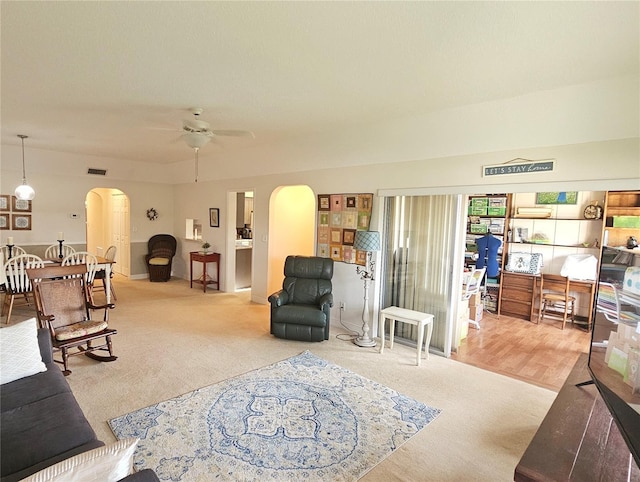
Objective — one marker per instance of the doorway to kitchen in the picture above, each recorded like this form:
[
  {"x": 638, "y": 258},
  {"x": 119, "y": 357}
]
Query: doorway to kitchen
[{"x": 244, "y": 240}]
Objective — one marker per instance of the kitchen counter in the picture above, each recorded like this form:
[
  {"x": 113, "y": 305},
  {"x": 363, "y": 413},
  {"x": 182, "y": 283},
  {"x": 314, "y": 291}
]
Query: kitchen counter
[{"x": 244, "y": 243}]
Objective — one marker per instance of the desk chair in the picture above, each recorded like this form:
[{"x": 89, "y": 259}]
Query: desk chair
[
  {"x": 473, "y": 285},
  {"x": 609, "y": 302},
  {"x": 554, "y": 293}
]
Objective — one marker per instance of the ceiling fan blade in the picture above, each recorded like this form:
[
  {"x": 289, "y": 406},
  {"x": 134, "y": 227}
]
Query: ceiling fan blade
[{"x": 233, "y": 133}]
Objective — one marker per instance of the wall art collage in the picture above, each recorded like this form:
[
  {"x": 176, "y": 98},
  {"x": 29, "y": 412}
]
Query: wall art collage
[
  {"x": 339, "y": 217},
  {"x": 15, "y": 213}
]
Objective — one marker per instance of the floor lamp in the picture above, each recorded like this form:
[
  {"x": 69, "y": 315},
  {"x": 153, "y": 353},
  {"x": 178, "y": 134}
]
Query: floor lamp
[{"x": 368, "y": 241}]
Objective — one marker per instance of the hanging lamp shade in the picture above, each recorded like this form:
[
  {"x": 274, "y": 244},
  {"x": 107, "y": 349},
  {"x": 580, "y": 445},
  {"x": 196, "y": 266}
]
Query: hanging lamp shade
[
  {"x": 196, "y": 140},
  {"x": 24, "y": 192}
]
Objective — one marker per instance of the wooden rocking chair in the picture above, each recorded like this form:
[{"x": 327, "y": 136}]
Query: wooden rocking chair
[{"x": 63, "y": 305}]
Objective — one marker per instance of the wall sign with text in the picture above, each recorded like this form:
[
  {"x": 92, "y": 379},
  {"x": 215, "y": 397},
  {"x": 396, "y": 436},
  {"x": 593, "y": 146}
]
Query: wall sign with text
[{"x": 525, "y": 167}]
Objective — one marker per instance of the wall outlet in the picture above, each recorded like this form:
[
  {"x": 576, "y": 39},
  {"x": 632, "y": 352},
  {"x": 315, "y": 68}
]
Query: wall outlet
[{"x": 343, "y": 306}]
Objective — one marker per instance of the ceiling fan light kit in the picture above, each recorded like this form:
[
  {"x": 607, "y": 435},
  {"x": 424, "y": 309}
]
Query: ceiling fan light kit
[{"x": 195, "y": 140}]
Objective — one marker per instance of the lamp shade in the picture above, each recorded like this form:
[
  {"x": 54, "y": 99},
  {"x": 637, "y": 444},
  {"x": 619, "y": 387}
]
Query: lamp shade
[
  {"x": 195, "y": 140},
  {"x": 24, "y": 192},
  {"x": 367, "y": 241}
]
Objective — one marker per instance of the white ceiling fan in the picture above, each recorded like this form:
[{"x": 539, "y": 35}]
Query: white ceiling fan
[{"x": 197, "y": 133}]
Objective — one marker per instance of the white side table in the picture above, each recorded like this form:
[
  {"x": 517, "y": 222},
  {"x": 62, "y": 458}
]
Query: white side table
[{"x": 417, "y": 318}]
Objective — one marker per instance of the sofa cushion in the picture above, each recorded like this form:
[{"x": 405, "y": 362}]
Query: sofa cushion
[
  {"x": 19, "y": 351},
  {"x": 109, "y": 463},
  {"x": 41, "y": 429},
  {"x": 31, "y": 389}
]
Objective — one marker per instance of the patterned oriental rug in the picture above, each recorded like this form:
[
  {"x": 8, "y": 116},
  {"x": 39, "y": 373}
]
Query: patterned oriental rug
[{"x": 300, "y": 419}]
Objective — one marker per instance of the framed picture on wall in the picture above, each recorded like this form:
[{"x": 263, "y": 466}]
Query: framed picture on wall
[
  {"x": 20, "y": 205},
  {"x": 214, "y": 217},
  {"x": 21, "y": 222},
  {"x": 4, "y": 221},
  {"x": 4, "y": 202}
]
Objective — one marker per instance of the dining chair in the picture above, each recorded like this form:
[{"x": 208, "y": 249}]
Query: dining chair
[
  {"x": 555, "y": 294},
  {"x": 18, "y": 285},
  {"x": 90, "y": 261},
  {"x": 110, "y": 255},
  {"x": 15, "y": 251},
  {"x": 53, "y": 251}
]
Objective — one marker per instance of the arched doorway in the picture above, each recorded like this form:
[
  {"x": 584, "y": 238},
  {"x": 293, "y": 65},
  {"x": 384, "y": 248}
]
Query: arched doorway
[
  {"x": 108, "y": 223},
  {"x": 292, "y": 225}
]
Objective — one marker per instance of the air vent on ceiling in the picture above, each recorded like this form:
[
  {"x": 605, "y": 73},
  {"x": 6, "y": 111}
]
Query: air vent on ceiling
[{"x": 97, "y": 172}]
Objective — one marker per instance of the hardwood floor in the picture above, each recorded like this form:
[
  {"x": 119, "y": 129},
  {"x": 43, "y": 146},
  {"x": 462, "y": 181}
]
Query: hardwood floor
[{"x": 541, "y": 354}]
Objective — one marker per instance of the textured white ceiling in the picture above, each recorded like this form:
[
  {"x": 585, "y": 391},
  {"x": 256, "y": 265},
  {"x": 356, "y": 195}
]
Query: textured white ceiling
[{"x": 114, "y": 79}]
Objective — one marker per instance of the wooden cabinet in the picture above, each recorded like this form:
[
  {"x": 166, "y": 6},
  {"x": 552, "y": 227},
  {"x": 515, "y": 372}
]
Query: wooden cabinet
[
  {"x": 487, "y": 213},
  {"x": 619, "y": 204},
  {"x": 516, "y": 297}
]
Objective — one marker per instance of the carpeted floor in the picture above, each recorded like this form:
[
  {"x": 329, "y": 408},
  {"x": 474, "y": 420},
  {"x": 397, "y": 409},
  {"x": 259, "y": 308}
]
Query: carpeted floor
[
  {"x": 302, "y": 418},
  {"x": 173, "y": 340}
]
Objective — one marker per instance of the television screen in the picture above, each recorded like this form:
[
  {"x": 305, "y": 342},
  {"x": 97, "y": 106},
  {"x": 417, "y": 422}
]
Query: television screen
[{"x": 614, "y": 359}]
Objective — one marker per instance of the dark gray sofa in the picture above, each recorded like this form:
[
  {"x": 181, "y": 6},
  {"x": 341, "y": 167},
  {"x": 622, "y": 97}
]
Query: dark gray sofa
[{"x": 41, "y": 423}]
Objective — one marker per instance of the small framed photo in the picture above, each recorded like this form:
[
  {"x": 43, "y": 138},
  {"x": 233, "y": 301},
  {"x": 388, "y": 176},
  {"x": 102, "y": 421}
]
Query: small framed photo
[
  {"x": 4, "y": 221},
  {"x": 4, "y": 202},
  {"x": 214, "y": 217},
  {"x": 20, "y": 205},
  {"x": 21, "y": 222}
]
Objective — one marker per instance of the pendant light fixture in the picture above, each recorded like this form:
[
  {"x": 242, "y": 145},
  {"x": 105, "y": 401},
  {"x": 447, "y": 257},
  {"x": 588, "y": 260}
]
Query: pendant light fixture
[{"x": 24, "y": 192}]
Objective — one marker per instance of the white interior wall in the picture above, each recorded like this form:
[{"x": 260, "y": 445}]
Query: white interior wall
[{"x": 591, "y": 130}]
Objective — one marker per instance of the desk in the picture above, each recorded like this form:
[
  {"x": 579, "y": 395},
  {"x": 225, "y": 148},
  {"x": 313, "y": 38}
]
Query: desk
[
  {"x": 520, "y": 291},
  {"x": 205, "y": 279},
  {"x": 406, "y": 316}
]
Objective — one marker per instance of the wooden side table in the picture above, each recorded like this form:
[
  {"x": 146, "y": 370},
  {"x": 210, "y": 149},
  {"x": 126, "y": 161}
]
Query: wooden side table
[
  {"x": 417, "y": 318},
  {"x": 205, "y": 279}
]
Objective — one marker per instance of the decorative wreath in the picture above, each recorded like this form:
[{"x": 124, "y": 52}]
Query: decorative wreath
[{"x": 152, "y": 214}]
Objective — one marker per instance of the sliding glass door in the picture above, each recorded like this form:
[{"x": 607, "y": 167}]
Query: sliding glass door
[{"x": 423, "y": 261}]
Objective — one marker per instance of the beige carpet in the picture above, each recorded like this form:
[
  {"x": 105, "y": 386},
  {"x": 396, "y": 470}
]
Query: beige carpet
[{"x": 172, "y": 340}]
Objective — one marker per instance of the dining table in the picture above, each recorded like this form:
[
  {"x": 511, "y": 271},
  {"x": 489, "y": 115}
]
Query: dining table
[{"x": 103, "y": 264}]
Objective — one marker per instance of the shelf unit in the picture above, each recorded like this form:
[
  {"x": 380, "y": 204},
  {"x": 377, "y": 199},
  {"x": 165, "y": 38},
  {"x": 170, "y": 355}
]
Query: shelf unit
[
  {"x": 563, "y": 232},
  {"x": 620, "y": 203},
  {"x": 487, "y": 213}
]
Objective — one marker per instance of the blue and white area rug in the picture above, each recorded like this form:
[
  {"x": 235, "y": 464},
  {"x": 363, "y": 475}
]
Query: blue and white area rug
[{"x": 300, "y": 419}]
